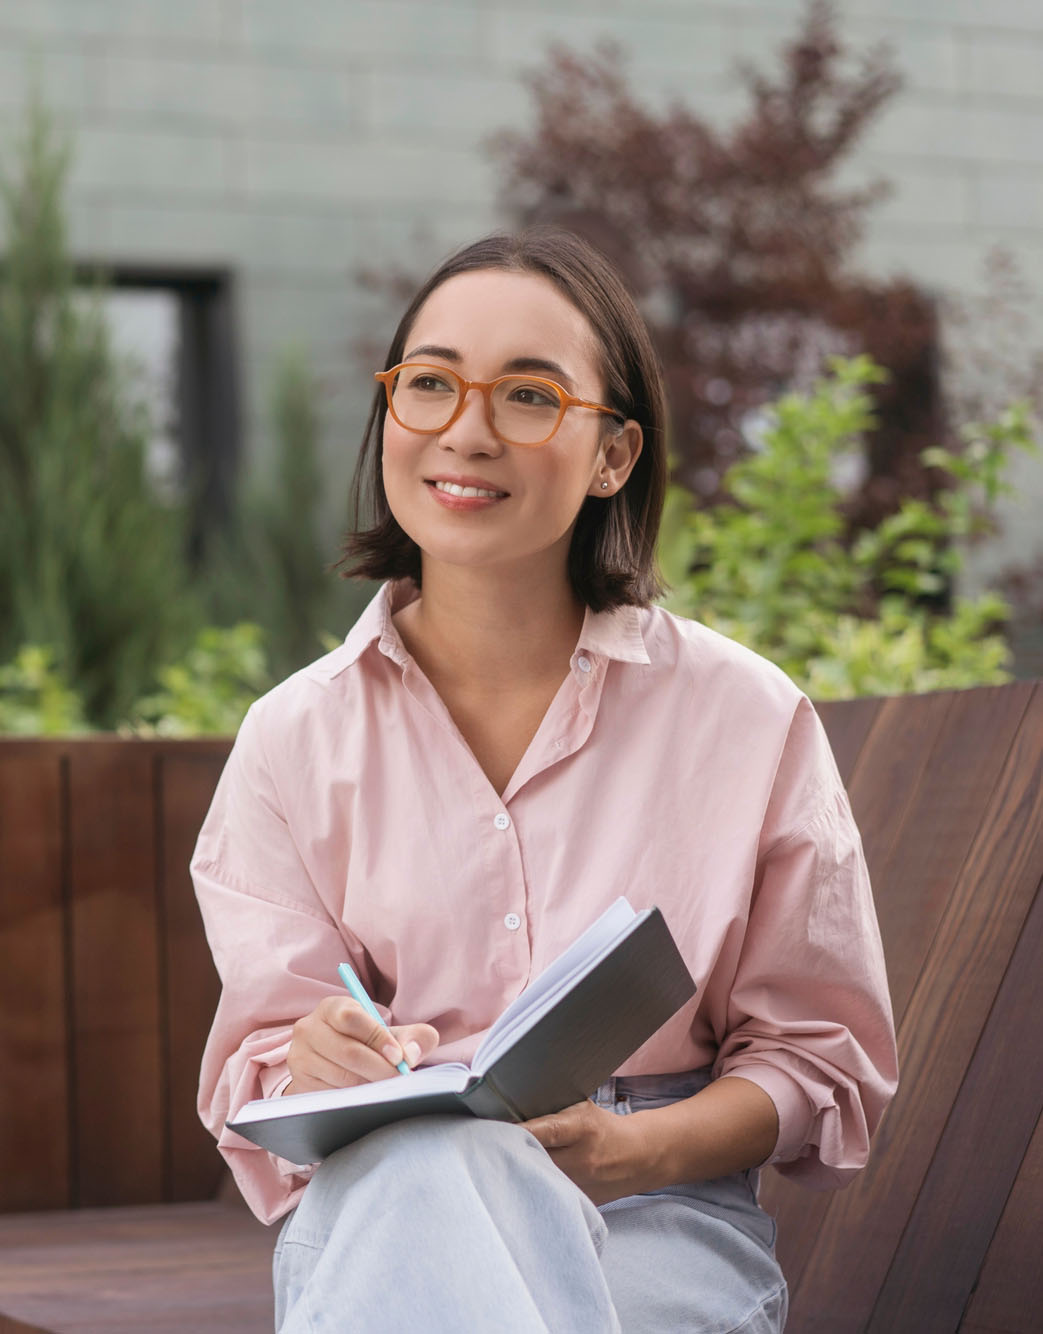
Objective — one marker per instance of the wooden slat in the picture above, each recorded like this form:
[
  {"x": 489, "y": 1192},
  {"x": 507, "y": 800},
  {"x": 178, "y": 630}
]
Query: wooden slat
[
  {"x": 190, "y": 982},
  {"x": 1009, "y": 1295},
  {"x": 972, "y": 733},
  {"x": 939, "y": 821},
  {"x": 848, "y": 723},
  {"x": 978, "y": 1158},
  {"x": 890, "y": 767},
  {"x": 165, "y": 1269},
  {"x": 944, "y": 1020},
  {"x": 118, "y": 1105},
  {"x": 34, "y": 1084}
]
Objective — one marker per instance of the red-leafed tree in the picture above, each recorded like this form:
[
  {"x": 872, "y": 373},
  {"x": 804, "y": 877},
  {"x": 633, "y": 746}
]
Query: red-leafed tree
[{"x": 738, "y": 245}]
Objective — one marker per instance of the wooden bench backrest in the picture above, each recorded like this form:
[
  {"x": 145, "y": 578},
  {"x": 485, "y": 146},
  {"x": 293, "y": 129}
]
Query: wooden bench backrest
[
  {"x": 945, "y": 1224},
  {"x": 107, "y": 991}
]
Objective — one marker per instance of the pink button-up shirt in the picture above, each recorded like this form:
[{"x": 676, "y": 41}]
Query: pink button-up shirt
[{"x": 673, "y": 766}]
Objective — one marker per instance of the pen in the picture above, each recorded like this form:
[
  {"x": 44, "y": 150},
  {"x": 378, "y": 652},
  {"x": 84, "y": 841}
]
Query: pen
[{"x": 350, "y": 979}]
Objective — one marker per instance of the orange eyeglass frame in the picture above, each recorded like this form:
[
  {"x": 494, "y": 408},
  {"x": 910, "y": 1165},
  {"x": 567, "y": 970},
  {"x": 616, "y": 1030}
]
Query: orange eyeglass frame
[{"x": 485, "y": 388}]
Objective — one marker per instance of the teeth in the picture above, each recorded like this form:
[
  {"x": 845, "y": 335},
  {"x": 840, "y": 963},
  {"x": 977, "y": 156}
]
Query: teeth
[{"x": 452, "y": 489}]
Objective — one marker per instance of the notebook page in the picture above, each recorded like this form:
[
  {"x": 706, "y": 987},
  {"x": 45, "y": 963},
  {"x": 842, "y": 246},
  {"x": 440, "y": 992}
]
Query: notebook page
[{"x": 448, "y": 1078}]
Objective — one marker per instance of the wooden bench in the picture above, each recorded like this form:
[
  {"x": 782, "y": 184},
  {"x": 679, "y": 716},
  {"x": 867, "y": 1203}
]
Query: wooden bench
[{"x": 106, "y": 992}]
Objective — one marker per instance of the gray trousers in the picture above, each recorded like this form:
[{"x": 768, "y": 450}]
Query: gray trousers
[{"x": 449, "y": 1224}]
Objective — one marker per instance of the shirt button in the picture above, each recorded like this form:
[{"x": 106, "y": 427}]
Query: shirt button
[
  {"x": 502, "y": 821},
  {"x": 512, "y": 921},
  {"x": 583, "y": 664}
]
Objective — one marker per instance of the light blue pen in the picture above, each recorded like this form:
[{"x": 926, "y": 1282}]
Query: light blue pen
[{"x": 350, "y": 979}]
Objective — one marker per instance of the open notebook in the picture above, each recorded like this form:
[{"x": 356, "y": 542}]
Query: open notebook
[{"x": 565, "y": 1034}]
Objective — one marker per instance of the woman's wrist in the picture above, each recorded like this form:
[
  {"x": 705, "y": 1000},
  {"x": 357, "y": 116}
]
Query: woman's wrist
[
  {"x": 730, "y": 1126},
  {"x": 647, "y": 1151}
]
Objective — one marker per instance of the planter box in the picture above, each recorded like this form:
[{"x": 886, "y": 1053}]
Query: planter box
[{"x": 107, "y": 989}]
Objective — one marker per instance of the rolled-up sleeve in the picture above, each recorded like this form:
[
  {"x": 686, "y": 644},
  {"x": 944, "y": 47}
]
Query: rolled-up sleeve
[{"x": 809, "y": 1014}]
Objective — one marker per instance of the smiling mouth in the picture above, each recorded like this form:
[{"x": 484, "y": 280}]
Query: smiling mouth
[{"x": 452, "y": 489}]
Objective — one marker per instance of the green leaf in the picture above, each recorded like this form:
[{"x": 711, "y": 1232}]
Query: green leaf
[{"x": 771, "y": 571}]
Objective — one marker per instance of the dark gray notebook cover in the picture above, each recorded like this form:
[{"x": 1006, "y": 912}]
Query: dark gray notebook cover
[{"x": 602, "y": 1019}]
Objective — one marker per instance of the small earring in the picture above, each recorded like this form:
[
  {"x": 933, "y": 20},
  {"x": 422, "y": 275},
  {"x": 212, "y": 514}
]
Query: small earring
[{"x": 604, "y": 486}]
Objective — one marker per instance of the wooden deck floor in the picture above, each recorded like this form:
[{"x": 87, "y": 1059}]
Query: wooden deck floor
[{"x": 151, "y": 1269}]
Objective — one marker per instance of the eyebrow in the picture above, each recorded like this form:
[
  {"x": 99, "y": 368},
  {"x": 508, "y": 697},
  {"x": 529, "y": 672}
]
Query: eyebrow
[{"x": 515, "y": 365}]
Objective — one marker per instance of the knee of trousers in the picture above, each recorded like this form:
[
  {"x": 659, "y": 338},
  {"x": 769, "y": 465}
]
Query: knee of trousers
[
  {"x": 441, "y": 1168},
  {"x": 442, "y": 1145},
  {"x": 428, "y": 1159}
]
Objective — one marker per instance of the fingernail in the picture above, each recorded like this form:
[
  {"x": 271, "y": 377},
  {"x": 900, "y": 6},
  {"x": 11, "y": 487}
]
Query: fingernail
[
  {"x": 391, "y": 1053},
  {"x": 412, "y": 1053}
]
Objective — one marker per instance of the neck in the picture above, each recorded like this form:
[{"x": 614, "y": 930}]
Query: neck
[{"x": 496, "y": 630}]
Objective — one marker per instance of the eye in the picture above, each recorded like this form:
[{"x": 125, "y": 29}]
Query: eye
[
  {"x": 426, "y": 382},
  {"x": 528, "y": 395}
]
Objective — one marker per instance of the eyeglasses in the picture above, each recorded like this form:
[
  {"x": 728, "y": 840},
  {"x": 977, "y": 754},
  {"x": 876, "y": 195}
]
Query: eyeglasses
[{"x": 520, "y": 409}]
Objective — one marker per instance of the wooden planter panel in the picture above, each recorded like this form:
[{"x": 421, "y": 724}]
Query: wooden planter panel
[
  {"x": 35, "y": 1091},
  {"x": 107, "y": 988}
]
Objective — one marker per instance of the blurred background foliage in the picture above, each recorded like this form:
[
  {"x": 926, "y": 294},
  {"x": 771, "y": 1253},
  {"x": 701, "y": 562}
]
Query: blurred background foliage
[
  {"x": 90, "y": 558},
  {"x": 106, "y": 620},
  {"x": 824, "y": 487},
  {"x": 770, "y": 566}
]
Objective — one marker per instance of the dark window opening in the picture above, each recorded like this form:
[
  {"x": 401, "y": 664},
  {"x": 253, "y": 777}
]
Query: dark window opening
[{"x": 179, "y": 328}]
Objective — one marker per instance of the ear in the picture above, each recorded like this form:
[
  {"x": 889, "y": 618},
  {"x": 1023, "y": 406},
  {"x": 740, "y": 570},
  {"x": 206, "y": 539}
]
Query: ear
[{"x": 616, "y": 458}]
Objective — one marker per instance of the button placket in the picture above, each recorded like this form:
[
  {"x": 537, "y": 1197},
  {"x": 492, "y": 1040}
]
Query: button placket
[
  {"x": 511, "y": 953},
  {"x": 511, "y": 920}
]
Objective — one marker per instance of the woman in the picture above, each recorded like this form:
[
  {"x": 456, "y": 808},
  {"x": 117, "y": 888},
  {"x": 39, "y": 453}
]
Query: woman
[{"x": 509, "y": 738}]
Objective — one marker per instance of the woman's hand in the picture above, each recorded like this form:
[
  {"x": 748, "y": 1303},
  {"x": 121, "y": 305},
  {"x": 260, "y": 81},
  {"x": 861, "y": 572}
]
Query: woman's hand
[
  {"x": 729, "y": 1126},
  {"x": 339, "y": 1044},
  {"x": 606, "y": 1155}
]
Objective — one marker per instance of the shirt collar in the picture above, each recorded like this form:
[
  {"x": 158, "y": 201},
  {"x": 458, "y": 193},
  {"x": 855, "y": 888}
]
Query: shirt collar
[
  {"x": 612, "y": 634},
  {"x": 375, "y": 626},
  {"x": 615, "y": 634}
]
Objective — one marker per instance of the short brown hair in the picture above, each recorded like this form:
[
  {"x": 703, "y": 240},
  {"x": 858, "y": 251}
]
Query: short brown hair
[{"x": 612, "y": 556}]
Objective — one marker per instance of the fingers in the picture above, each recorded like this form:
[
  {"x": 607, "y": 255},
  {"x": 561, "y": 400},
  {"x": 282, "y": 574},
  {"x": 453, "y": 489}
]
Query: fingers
[
  {"x": 418, "y": 1041},
  {"x": 561, "y": 1129},
  {"x": 341, "y": 1018},
  {"x": 339, "y": 1044},
  {"x": 548, "y": 1131},
  {"x": 604, "y": 1154}
]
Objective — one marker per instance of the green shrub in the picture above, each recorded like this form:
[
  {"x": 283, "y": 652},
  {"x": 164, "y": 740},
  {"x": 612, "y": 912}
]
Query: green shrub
[
  {"x": 34, "y": 698},
  {"x": 210, "y": 689},
  {"x": 90, "y": 559},
  {"x": 97, "y": 594},
  {"x": 771, "y": 567}
]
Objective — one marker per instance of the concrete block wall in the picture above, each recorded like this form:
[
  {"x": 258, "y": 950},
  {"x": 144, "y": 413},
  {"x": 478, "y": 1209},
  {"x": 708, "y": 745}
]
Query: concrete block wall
[{"x": 296, "y": 144}]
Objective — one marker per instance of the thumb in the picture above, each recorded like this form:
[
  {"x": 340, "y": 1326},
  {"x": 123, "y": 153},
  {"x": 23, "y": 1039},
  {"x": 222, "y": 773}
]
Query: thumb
[{"x": 418, "y": 1041}]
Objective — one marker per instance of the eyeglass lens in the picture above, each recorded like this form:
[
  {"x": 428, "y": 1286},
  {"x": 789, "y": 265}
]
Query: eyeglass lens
[{"x": 524, "y": 411}]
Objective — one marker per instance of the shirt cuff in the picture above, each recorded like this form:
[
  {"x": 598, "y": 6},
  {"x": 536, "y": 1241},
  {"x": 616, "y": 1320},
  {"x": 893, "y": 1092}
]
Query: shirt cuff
[
  {"x": 274, "y": 1074},
  {"x": 272, "y": 1082},
  {"x": 793, "y": 1106}
]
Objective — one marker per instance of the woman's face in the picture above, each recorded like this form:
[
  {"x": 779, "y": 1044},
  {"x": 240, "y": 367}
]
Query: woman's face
[{"x": 483, "y": 325}]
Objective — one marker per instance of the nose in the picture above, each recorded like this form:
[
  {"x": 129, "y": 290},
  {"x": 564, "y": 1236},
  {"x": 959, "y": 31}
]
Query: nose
[{"x": 472, "y": 431}]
